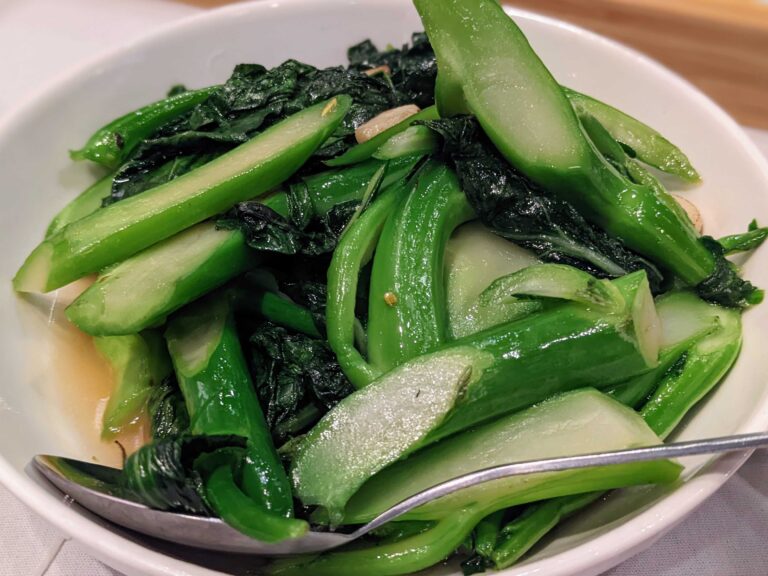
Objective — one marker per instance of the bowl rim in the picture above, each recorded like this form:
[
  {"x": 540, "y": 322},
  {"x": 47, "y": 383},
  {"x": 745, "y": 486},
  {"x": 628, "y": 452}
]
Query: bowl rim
[{"x": 583, "y": 559}]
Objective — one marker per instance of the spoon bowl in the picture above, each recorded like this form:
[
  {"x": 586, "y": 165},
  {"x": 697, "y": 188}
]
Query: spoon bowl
[
  {"x": 92, "y": 486},
  {"x": 96, "y": 488}
]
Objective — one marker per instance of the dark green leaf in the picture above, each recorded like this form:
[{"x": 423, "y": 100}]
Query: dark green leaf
[
  {"x": 515, "y": 208},
  {"x": 292, "y": 371},
  {"x": 162, "y": 476},
  {"x": 475, "y": 565},
  {"x": 251, "y": 100},
  {"x": 167, "y": 411},
  {"x": 266, "y": 230},
  {"x": 176, "y": 89},
  {"x": 724, "y": 286},
  {"x": 413, "y": 68}
]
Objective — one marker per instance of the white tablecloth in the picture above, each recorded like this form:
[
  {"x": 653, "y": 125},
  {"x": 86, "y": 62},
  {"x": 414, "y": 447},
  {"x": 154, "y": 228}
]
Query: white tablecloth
[{"x": 38, "y": 38}]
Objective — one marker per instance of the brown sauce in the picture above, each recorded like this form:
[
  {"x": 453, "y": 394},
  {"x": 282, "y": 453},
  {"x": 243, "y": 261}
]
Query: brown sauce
[{"x": 83, "y": 383}]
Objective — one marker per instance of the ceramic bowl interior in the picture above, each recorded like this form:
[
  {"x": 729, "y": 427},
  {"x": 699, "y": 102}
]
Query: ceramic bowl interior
[{"x": 39, "y": 399}]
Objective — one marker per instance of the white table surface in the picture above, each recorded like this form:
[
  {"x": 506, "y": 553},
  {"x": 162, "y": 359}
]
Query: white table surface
[{"x": 40, "y": 38}]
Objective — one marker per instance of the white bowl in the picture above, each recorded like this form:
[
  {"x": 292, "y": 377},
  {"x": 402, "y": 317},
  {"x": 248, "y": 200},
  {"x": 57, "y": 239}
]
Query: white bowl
[{"x": 36, "y": 179}]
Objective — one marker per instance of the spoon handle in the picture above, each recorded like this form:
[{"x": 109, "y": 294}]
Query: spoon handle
[{"x": 660, "y": 452}]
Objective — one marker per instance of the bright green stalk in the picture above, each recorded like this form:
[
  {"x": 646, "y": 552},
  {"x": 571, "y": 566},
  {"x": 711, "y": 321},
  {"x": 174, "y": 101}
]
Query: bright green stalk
[
  {"x": 86, "y": 203},
  {"x": 402, "y": 557},
  {"x": 220, "y": 398},
  {"x": 581, "y": 421},
  {"x": 584, "y": 420},
  {"x": 703, "y": 366},
  {"x": 530, "y": 120},
  {"x": 499, "y": 303},
  {"x": 473, "y": 380},
  {"x": 487, "y": 533},
  {"x": 125, "y": 228},
  {"x": 607, "y": 145},
  {"x": 407, "y": 312},
  {"x": 283, "y": 312},
  {"x": 684, "y": 322},
  {"x": 239, "y": 511},
  {"x": 534, "y": 523},
  {"x": 555, "y": 350},
  {"x": 711, "y": 337},
  {"x": 184, "y": 267},
  {"x": 413, "y": 140},
  {"x": 353, "y": 252},
  {"x": 141, "y": 291},
  {"x": 112, "y": 144},
  {"x": 745, "y": 242},
  {"x": 139, "y": 362},
  {"x": 646, "y": 143},
  {"x": 636, "y": 391},
  {"x": 364, "y": 151}
]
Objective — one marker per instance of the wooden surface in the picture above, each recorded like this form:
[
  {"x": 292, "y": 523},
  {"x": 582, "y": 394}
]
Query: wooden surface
[{"x": 721, "y": 46}]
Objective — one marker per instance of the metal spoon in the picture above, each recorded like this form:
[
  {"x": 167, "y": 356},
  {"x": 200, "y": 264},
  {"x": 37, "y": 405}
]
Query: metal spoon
[{"x": 89, "y": 485}]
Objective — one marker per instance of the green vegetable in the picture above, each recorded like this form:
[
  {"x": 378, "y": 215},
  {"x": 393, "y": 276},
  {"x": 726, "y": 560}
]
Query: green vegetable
[
  {"x": 353, "y": 252},
  {"x": 638, "y": 138},
  {"x": 498, "y": 303},
  {"x": 528, "y": 117},
  {"x": 220, "y": 398},
  {"x": 382, "y": 348},
  {"x": 475, "y": 257},
  {"x": 219, "y": 470},
  {"x": 296, "y": 376},
  {"x": 407, "y": 311},
  {"x": 379, "y": 424},
  {"x": 112, "y": 144},
  {"x": 139, "y": 363},
  {"x": 186, "y": 266},
  {"x": 704, "y": 364},
  {"x": 142, "y": 290},
  {"x": 255, "y": 98},
  {"x": 583, "y": 421},
  {"x": 745, "y": 242},
  {"x": 413, "y": 140},
  {"x": 484, "y": 540},
  {"x": 565, "y": 336},
  {"x": 400, "y": 557},
  {"x": 162, "y": 474},
  {"x": 311, "y": 215},
  {"x": 711, "y": 337},
  {"x": 534, "y": 523},
  {"x": 127, "y": 227},
  {"x": 167, "y": 412},
  {"x": 412, "y": 69},
  {"x": 487, "y": 532},
  {"x": 281, "y": 311},
  {"x": 513, "y": 207},
  {"x": 468, "y": 382},
  {"x": 615, "y": 154},
  {"x": 195, "y": 474},
  {"x": 86, "y": 203},
  {"x": 365, "y": 150}
]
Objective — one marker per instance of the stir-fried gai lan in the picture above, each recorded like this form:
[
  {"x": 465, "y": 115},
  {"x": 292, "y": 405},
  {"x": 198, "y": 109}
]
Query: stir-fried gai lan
[{"x": 290, "y": 282}]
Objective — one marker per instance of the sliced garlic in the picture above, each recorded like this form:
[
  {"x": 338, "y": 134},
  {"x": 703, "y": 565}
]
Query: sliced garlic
[
  {"x": 383, "y": 121},
  {"x": 692, "y": 211},
  {"x": 383, "y": 69}
]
